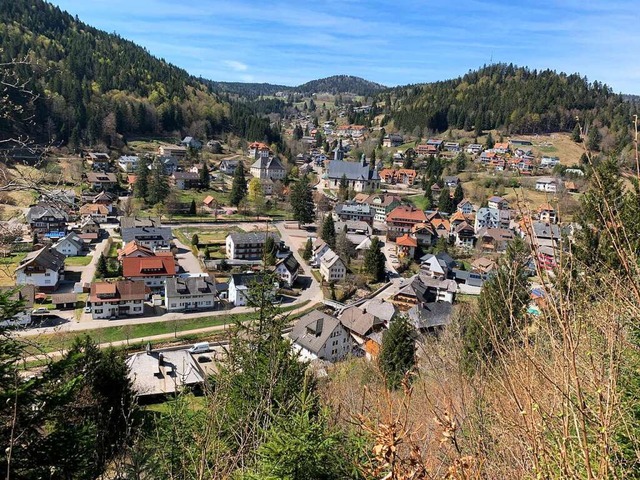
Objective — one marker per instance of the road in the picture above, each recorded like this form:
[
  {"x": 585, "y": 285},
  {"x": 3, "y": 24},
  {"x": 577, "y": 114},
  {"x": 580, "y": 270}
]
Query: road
[{"x": 186, "y": 259}]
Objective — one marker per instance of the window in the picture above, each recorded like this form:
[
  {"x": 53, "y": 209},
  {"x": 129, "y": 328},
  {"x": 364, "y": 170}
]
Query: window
[
  {"x": 98, "y": 310},
  {"x": 47, "y": 274}
]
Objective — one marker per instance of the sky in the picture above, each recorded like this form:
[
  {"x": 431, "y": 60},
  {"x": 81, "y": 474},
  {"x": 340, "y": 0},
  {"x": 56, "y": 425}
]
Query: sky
[{"x": 390, "y": 42}]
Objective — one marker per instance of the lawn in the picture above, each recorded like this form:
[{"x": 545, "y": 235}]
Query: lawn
[
  {"x": 206, "y": 235},
  {"x": 7, "y": 268},
  {"x": 78, "y": 261},
  {"x": 113, "y": 249},
  {"x": 62, "y": 341},
  {"x": 419, "y": 201}
]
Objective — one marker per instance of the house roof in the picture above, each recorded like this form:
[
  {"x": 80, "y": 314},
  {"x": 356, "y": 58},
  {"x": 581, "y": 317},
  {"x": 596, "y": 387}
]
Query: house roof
[
  {"x": 483, "y": 264},
  {"x": 124, "y": 290},
  {"x": 359, "y": 321},
  {"x": 138, "y": 222},
  {"x": 406, "y": 241},
  {"x": 382, "y": 310},
  {"x": 404, "y": 213},
  {"x": 497, "y": 234},
  {"x": 43, "y": 210},
  {"x": 132, "y": 247},
  {"x": 73, "y": 239},
  {"x": 383, "y": 200},
  {"x": 268, "y": 163},
  {"x": 177, "y": 286},
  {"x": 22, "y": 293},
  {"x": 546, "y": 207},
  {"x": 246, "y": 279},
  {"x": 353, "y": 171},
  {"x": 496, "y": 199},
  {"x": 430, "y": 315},
  {"x": 93, "y": 208},
  {"x": 251, "y": 237},
  {"x": 104, "y": 197},
  {"x": 289, "y": 262},
  {"x": 353, "y": 209},
  {"x": 312, "y": 330},
  {"x": 148, "y": 266},
  {"x": 63, "y": 298},
  {"x": 186, "y": 176},
  {"x": 208, "y": 200},
  {"x": 330, "y": 258},
  {"x": 319, "y": 245},
  {"x": 100, "y": 177},
  {"x": 46, "y": 257}
]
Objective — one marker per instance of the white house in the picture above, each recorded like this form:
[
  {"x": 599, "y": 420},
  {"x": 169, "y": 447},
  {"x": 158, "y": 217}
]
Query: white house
[
  {"x": 43, "y": 268},
  {"x": 128, "y": 163},
  {"x": 228, "y": 166},
  {"x": 549, "y": 162},
  {"x": 547, "y": 184},
  {"x": 492, "y": 218},
  {"x": 70, "y": 245},
  {"x": 320, "y": 247},
  {"x": 332, "y": 268},
  {"x": 189, "y": 293},
  {"x": 317, "y": 335},
  {"x": 241, "y": 283},
  {"x": 117, "y": 299},
  {"x": 498, "y": 203},
  {"x": 25, "y": 294},
  {"x": 287, "y": 270},
  {"x": 437, "y": 266},
  {"x": 247, "y": 246},
  {"x": 268, "y": 167}
]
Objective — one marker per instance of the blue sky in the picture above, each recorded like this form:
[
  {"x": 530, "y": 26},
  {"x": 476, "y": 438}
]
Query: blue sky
[{"x": 390, "y": 42}]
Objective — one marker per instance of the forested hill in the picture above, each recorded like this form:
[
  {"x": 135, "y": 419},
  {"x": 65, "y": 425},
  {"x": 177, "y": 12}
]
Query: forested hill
[
  {"x": 249, "y": 90},
  {"x": 341, "y": 84},
  {"x": 512, "y": 98},
  {"x": 96, "y": 85}
]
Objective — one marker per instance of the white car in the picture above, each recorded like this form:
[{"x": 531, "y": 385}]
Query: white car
[{"x": 40, "y": 311}]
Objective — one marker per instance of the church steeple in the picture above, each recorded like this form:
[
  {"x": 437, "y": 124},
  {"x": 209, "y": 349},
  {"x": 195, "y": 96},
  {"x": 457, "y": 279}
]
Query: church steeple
[{"x": 338, "y": 152}]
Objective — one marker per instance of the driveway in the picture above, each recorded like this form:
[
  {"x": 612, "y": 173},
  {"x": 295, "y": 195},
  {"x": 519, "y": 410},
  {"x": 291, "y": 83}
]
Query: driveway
[{"x": 186, "y": 259}]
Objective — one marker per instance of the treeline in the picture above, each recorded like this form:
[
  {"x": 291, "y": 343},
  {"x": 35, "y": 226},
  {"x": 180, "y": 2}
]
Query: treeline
[
  {"x": 93, "y": 86},
  {"x": 515, "y": 99},
  {"x": 341, "y": 84}
]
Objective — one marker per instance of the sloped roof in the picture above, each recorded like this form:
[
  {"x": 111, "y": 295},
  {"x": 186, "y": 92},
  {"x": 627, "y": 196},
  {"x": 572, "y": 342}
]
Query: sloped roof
[
  {"x": 268, "y": 163},
  {"x": 289, "y": 262},
  {"x": 139, "y": 222},
  {"x": 148, "y": 266},
  {"x": 132, "y": 247},
  {"x": 46, "y": 257},
  {"x": 406, "y": 241},
  {"x": 359, "y": 321},
  {"x": 43, "y": 210},
  {"x": 121, "y": 290},
  {"x": 73, "y": 239},
  {"x": 22, "y": 293},
  {"x": 351, "y": 170},
  {"x": 430, "y": 315},
  {"x": 190, "y": 286},
  {"x": 312, "y": 330},
  {"x": 407, "y": 214},
  {"x": 251, "y": 237}
]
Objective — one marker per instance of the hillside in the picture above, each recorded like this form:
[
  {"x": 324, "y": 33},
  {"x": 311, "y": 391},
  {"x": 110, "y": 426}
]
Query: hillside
[
  {"x": 513, "y": 99},
  {"x": 93, "y": 85},
  {"x": 341, "y": 84},
  {"x": 246, "y": 89}
]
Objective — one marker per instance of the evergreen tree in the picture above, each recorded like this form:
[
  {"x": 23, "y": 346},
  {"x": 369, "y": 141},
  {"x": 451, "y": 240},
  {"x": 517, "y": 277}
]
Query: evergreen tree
[
  {"x": 461, "y": 162},
  {"x": 302, "y": 201},
  {"x": 308, "y": 250},
  {"x": 345, "y": 247},
  {"x": 141, "y": 187},
  {"x": 490, "y": 142},
  {"x": 445, "y": 203},
  {"x": 501, "y": 313},
  {"x": 195, "y": 241},
  {"x": 458, "y": 196},
  {"x": 575, "y": 134},
  {"x": 374, "y": 260},
  {"x": 328, "y": 233},
  {"x": 239, "y": 186},
  {"x": 343, "y": 189},
  {"x": 397, "y": 355},
  {"x": 158, "y": 188},
  {"x": 192, "y": 207},
  {"x": 593, "y": 139},
  {"x": 205, "y": 177},
  {"x": 269, "y": 251},
  {"x": 101, "y": 267}
]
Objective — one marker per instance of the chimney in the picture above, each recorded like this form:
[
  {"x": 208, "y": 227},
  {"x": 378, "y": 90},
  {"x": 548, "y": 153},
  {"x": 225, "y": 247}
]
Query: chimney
[
  {"x": 364, "y": 310},
  {"x": 319, "y": 325}
]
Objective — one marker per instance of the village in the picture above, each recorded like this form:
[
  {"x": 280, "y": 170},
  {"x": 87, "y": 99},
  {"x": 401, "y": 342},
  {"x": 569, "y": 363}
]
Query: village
[{"x": 92, "y": 257}]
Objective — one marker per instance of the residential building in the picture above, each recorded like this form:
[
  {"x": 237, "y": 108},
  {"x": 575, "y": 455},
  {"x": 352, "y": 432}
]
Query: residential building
[
  {"x": 402, "y": 219},
  {"x": 177, "y": 151},
  {"x": 361, "y": 322},
  {"x": 474, "y": 148},
  {"x": 501, "y": 147},
  {"x": 190, "y": 293},
  {"x": 355, "y": 131},
  {"x": 317, "y": 335},
  {"x": 381, "y": 204},
  {"x": 190, "y": 142},
  {"x": 392, "y": 140},
  {"x": 464, "y": 235},
  {"x": 453, "y": 147},
  {"x": 240, "y": 285},
  {"x": 259, "y": 150},
  {"x": 424, "y": 234},
  {"x": 547, "y": 214},
  {"x": 42, "y": 268},
  {"x": 247, "y": 246},
  {"x": 97, "y": 212},
  {"x": 492, "y": 218},
  {"x": 437, "y": 266},
  {"x": 287, "y": 269},
  {"x": 332, "y": 268},
  {"x": 425, "y": 149},
  {"x": 320, "y": 247},
  {"x": 359, "y": 175},
  {"x": 465, "y": 207},
  {"x": 146, "y": 231},
  {"x": 406, "y": 246},
  {"x": 354, "y": 211},
  {"x": 102, "y": 181},
  {"x": 268, "y": 167},
  {"x": 71, "y": 245},
  {"x": 549, "y": 162},
  {"x": 128, "y": 163},
  {"x": 483, "y": 265},
  {"x": 154, "y": 271},
  {"x": 404, "y": 176},
  {"x": 100, "y": 161},
  {"x": 185, "y": 180},
  {"x": 494, "y": 239},
  {"x": 89, "y": 230},
  {"x": 26, "y": 295},
  {"x": 498, "y": 203},
  {"x": 547, "y": 184},
  {"x": 430, "y": 317},
  {"x": 121, "y": 298},
  {"x": 43, "y": 218},
  {"x": 422, "y": 288},
  {"x": 451, "y": 181},
  {"x": 228, "y": 166},
  {"x": 134, "y": 249}
]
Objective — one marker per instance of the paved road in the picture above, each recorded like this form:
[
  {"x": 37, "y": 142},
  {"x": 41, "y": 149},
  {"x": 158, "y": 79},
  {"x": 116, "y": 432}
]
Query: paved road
[
  {"x": 89, "y": 271},
  {"x": 186, "y": 259}
]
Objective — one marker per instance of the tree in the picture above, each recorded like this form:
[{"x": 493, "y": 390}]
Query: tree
[
  {"x": 576, "y": 134},
  {"x": 593, "y": 139},
  {"x": 345, "y": 247},
  {"x": 158, "y": 188},
  {"x": 500, "y": 317},
  {"x": 458, "y": 196},
  {"x": 141, "y": 187},
  {"x": 374, "y": 260},
  {"x": 269, "y": 251},
  {"x": 490, "y": 142},
  {"x": 328, "y": 232},
  {"x": 195, "y": 241},
  {"x": 192, "y": 207},
  {"x": 205, "y": 177},
  {"x": 397, "y": 355},
  {"x": 239, "y": 186},
  {"x": 445, "y": 203},
  {"x": 461, "y": 162},
  {"x": 302, "y": 201},
  {"x": 307, "y": 253},
  {"x": 101, "y": 267},
  {"x": 343, "y": 189},
  {"x": 256, "y": 196}
]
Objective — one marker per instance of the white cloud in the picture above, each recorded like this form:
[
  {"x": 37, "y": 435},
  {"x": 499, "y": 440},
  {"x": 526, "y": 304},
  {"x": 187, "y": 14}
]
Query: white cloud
[{"x": 235, "y": 65}]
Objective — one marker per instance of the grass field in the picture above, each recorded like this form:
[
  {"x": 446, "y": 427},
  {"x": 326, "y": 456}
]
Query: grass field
[
  {"x": 78, "y": 261},
  {"x": 62, "y": 341},
  {"x": 419, "y": 201},
  {"x": 7, "y": 268},
  {"x": 207, "y": 235}
]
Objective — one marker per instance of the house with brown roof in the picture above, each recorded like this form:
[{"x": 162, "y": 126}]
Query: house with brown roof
[
  {"x": 102, "y": 181},
  {"x": 424, "y": 234},
  {"x": 402, "y": 219},
  {"x": 464, "y": 235},
  {"x": 404, "y": 176},
  {"x": 154, "y": 271},
  {"x": 547, "y": 214},
  {"x": 177, "y": 151},
  {"x": 381, "y": 204},
  {"x": 42, "y": 268},
  {"x": 494, "y": 239},
  {"x": 406, "y": 246},
  {"x": 134, "y": 249},
  {"x": 117, "y": 299},
  {"x": 97, "y": 212},
  {"x": 483, "y": 265},
  {"x": 360, "y": 323},
  {"x": 422, "y": 288},
  {"x": 258, "y": 150},
  {"x": 318, "y": 336}
]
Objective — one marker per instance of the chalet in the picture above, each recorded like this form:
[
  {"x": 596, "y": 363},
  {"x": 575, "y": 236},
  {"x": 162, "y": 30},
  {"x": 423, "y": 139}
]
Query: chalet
[
  {"x": 406, "y": 246},
  {"x": 318, "y": 336},
  {"x": 102, "y": 181},
  {"x": 498, "y": 203},
  {"x": 117, "y": 299},
  {"x": 100, "y": 161},
  {"x": 464, "y": 235},
  {"x": 42, "y": 268},
  {"x": 492, "y": 218},
  {"x": 128, "y": 163},
  {"x": 494, "y": 239},
  {"x": 332, "y": 268},
  {"x": 354, "y": 211},
  {"x": 435, "y": 142},
  {"x": 392, "y": 140},
  {"x": 105, "y": 199},
  {"x": 185, "y": 180},
  {"x": 483, "y": 265},
  {"x": 247, "y": 246},
  {"x": 424, "y": 149},
  {"x": 424, "y": 234},
  {"x": 190, "y": 142},
  {"x": 402, "y": 219},
  {"x": 440, "y": 224},
  {"x": 319, "y": 249},
  {"x": 287, "y": 269},
  {"x": 176, "y": 151},
  {"x": 439, "y": 265},
  {"x": 436, "y": 191},
  {"x": 169, "y": 163},
  {"x": 474, "y": 148},
  {"x": 381, "y": 204},
  {"x": 359, "y": 175},
  {"x": 89, "y": 230},
  {"x": 240, "y": 285},
  {"x": 190, "y": 293},
  {"x": 228, "y": 166},
  {"x": 43, "y": 218},
  {"x": 268, "y": 167},
  {"x": 134, "y": 249},
  {"x": 361, "y": 323},
  {"x": 422, "y": 288},
  {"x": 501, "y": 147},
  {"x": 25, "y": 294},
  {"x": 547, "y": 184},
  {"x": 97, "y": 212},
  {"x": 547, "y": 214},
  {"x": 451, "y": 181},
  {"x": 465, "y": 207},
  {"x": 259, "y": 150},
  {"x": 146, "y": 231},
  {"x": 404, "y": 176},
  {"x": 430, "y": 317},
  {"x": 70, "y": 245},
  {"x": 458, "y": 217},
  {"x": 570, "y": 187},
  {"x": 154, "y": 271}
]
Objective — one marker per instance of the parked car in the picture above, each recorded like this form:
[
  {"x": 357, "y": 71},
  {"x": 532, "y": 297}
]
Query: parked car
[{"x": 40, "y": 311}]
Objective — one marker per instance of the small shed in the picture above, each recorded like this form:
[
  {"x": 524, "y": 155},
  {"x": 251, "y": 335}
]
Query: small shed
[{"x": 64, "y": 300}]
